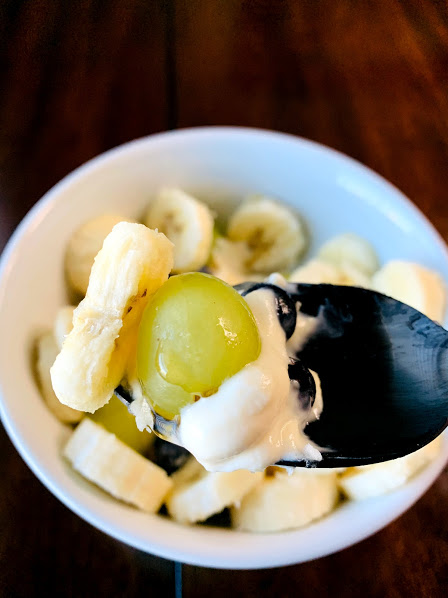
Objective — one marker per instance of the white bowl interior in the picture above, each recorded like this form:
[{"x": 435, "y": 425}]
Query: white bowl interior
[{"x": 221, "y": 165}]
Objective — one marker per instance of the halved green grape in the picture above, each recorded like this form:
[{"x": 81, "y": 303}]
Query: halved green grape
[
  {"x": 196, "y": 332},
  {"x": 166, "y": 399},
  {"x": 116, "y": 419}
]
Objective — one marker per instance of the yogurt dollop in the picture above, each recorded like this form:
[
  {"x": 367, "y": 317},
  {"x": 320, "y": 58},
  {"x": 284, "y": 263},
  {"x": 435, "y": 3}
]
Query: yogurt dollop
[{"x": 255, "y": 418}]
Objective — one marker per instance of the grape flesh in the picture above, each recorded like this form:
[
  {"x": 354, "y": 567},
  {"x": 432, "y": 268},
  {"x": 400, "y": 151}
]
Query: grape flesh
[
  {"x": 196, "y": 332},
  {"x": 116, "y": 419}
]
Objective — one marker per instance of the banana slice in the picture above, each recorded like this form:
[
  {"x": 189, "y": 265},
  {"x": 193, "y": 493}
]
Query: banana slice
[
  {"x": 103, "y": 459},
  {"x": 199, "y": 494},
  {"x": 191, "y": 471},
  {"x": 414, "y": 285},
  {"x": 316, "y": 271},
  {"x": 352, "y": 249},
  {"x": 187, "y": 222},
  {"x": 63, "y": 324},
  {"x": 133, "y": 263},
  {"x": 274, "y": 234},
  {"x": 47, "y": 350},
  {"x": 83, "y": 246},
  {"x": 319, "y": 271},
  {"x": 351, "y": 276},
  {"x": 228, "y": 259},
  {"x": 359, "y": 483},
  {"x": 285, "y": 501}
]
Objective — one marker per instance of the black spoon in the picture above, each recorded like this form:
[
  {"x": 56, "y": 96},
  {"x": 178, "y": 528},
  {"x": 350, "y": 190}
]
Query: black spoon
[{"x": 383, "y": 368}]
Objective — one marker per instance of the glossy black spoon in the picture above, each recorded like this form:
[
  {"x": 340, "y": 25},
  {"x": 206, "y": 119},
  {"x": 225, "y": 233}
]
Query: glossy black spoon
[{"x": 383, "y": 368}]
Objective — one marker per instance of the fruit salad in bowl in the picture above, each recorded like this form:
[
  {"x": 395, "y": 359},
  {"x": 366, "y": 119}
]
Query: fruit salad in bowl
[
  {"x": 210, "y": 369},
  {"x": 146, "y": 277}
]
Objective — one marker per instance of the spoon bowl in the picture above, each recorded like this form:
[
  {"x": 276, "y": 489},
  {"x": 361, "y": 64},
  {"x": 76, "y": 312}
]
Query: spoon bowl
[{"x": 383, "y": 368}]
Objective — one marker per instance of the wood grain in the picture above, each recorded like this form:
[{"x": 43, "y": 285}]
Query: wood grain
[
  {"x": 45, "y": 550},
  {"x": 368, "y": 80},
  {"x": 408, "y": 558},
  {"x": 76, "y": 78}
]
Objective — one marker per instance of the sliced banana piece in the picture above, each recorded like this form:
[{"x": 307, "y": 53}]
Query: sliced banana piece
[
  {"x": 351, "y": 276},
  {"x": 414, "y": 285},
  {"x": 63, "y": 324},
  {"x": 83, "y": 246},
  {"x": 199, "y": 494},
  {"x": 47, "y": 350},
  {"x": 274, "y": 233},
  {"x": 228, "y": 259},
  {"x": 187, "y": 222},
  {"x": 353, "y": 249},
  {"x": 286, "y": 501},
  {"x": 132, "y": 264},
  {"x": 191, "y": 471},
  {"x": 316, "y": 271},
  {"x": 359, "y": 483},
  {"x": 103, "y": 459}
]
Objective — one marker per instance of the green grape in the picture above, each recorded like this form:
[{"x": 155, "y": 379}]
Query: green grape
[
  {"x": 116, "y": 419},
  {"x": 196, "y": 332}
]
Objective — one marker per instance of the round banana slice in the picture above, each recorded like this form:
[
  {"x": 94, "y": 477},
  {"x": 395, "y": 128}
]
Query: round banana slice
[
  {"x": 63, "y": 324},
  {"x": 319, "y": 271},
  {"x": 47, "y": 350},
  {"x": 359, "y": 483},
  {"x": 351, "y": 276},
  {"x": 316, "y": 271},
  {"x": 227, "y": 262},
  {"x": 132, "y": 264},
  {"x": 274, "y": 234},
  {"x": 285, "y": 501},
  {"x": 187, "y": 222},
  {"x": 352, "y": 249},
  {"x": 108, "y": 462},
  {"x": 83, "y": 246},
  {"x": 199, "y": 494},
  {"x": 414, "y": 285}
]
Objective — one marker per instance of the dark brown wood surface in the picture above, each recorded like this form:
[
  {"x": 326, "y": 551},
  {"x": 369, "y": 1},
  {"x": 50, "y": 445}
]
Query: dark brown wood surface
[{"x": 79, "y": 77}]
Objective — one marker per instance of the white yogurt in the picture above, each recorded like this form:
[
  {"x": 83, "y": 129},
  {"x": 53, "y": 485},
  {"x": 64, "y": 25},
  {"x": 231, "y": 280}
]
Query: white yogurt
[{"x": 254, "y": 419}]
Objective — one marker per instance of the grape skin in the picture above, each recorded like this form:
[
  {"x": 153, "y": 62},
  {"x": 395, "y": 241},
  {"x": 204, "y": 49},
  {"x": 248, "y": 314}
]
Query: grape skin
[{"x": 196, "y": 332}]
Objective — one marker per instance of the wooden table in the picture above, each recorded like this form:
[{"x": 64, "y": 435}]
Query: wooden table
[{"x": 76, "y": 78}]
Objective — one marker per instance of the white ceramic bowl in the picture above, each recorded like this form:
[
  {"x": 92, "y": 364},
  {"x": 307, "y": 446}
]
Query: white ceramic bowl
[{"x": 334, "y": 193}]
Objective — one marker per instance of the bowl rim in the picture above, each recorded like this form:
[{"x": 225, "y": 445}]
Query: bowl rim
[{"x": 193, "y": 555}]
